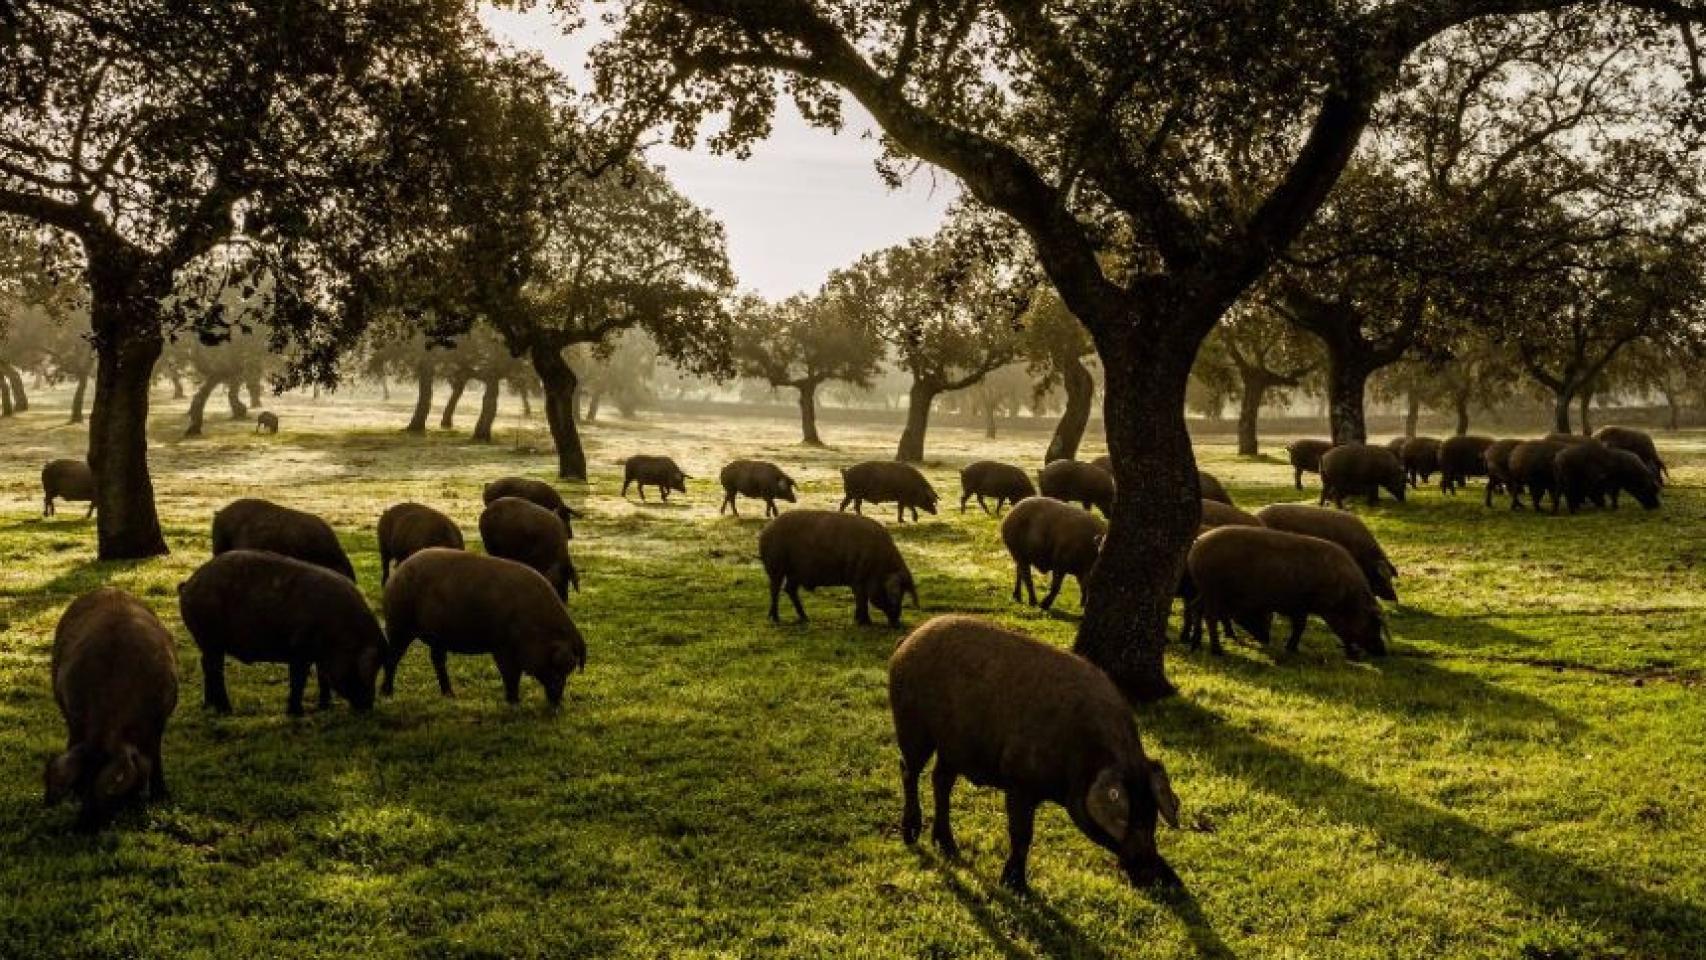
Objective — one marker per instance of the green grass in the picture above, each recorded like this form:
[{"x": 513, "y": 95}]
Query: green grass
[{"x": 1524, "y": 776}]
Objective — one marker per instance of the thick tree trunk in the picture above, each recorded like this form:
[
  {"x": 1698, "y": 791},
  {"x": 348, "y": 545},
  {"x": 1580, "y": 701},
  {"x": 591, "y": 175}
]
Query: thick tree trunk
[
  {"x": 1412, "y": 413},
  {"x": 5, "y": 398},
  {"x": 1673, "y": 404},
  {"x": 808, "y": 413},
  {"x": 78, "y": 395},
  {"x": 177, "y": 385},
  {"x": 1080, "y": 390},
  {"x": 198, "y": 406},
  {"x": 234, "y": 396},
  {"x": 1347, "y": 386},
  {"x": 423, "y": 399},
  {"x": 558, "y": 381},
  {"x": 1586, "y": 402},
  {"x": 1461, "y": 402},
  {"x": 488, "y": 411},
  {"x": 526, "y": 400},
  {"x": 1249, "y": 416},
  {"x": 594, "y": 399},
  {"x": 1561, "y": 398},
  {"x": 448, "y": 420},
  {"x": 1155, "y": 517},
  {"x": 254, "y": 386},
  {"x": 919, "y": 399},
  {"x": 988, "y": 419},
  {"x": 128, "y": 342},
  {"x": 20, "y": 399}
]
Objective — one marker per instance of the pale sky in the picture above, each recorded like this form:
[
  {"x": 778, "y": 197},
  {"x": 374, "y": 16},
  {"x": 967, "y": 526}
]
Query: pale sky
[{"x": 807, "y": 202}]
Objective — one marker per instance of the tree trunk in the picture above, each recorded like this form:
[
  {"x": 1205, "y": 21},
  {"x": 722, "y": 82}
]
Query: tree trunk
[
  {"x": 988, "y": 418},
  {"x": 5, "y": 398},
  {"x": 1155, "y": 517},
  {"x": 1080, "y": 390},
  {"x": 177, "y": 385},
  {"x": 234, "y": 396},
  {"x": 594, "y": 399},
  {"x": 423, "y": 398},
  {"x": 1586, "y": 401},
  {"x": 919, "y": 399},
  {"x": 1461, "y": 402},
  {"x": 20, "y": 399},
  {"x": 448, "y": 420},
  {"x": 385, "y": 388},
  {"x": 1249, "y": 414},
  {"x": 78, "y": 395},
  {"x": 526, "y": 400},
  {"x": 128, "y": 343},
  {"x": 808, "y": 413},
  {"x": 1561, "y": 409},
  {"x": 1412, "y": 413},
  {"x": 198, "y": 406},
  {"x": 488, "y": 411},
  {"x": 1347, "y": 385},
  {"x": 558, "y": 381},
  {"x": 254, "y": 386},
  {"x": 1672, "y": 403}
]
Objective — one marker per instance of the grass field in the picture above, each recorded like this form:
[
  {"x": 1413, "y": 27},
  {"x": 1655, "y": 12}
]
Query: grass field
[{"x": 1524, "y": 777}]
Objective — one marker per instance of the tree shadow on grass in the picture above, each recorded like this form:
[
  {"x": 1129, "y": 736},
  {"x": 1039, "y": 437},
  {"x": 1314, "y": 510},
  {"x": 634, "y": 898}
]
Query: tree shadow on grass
[
  {"x": 996, "y": 910},
  {"x": 1648, "y": 923}
]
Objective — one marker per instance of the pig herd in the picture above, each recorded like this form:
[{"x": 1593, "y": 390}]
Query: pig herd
[
  {"x": 1568, "y": 469},
  {"x": 985, "y": 703}
]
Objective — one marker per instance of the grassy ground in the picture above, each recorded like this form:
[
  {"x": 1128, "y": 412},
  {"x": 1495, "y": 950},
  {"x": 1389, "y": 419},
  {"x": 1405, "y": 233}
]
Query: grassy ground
[{"x": 1525, "y": 776}]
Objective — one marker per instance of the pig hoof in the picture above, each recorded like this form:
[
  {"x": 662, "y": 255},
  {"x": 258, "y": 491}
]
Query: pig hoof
[{"x": 1015, "y": 881}]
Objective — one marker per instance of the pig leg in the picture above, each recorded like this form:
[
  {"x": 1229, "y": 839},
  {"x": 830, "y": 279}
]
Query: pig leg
[
  {"x": 625, "y": 482},
  {"x": 511, "y": 674},
  {"x": 91, "y": 511},
  {"x": 914, "y": 514},
  {"x": 1021, "y": 818},
  {"x": 965, "y": 498},
  {"x": 984, "y": 505},
  {"x": 775, "y": 594},
  {"x": 900, "y": 514},
  {"x": 1053, "y": 589},
  {"x": 1298, "y": 620},
  {"x": 213, "y": 682},
  {"x": 384, "y": 567},
  {"x": 47, "y": 505},
  {"x": 794, "y": 595},
  {"x": 664, "y": 491},
  {"x": 399, "y": 643},
  {"x": 915, "y": 752},
  {"x": 156, "y": 770},
  {"x": 441, "y": 667},
  {"x": 942, "y": 831},
  {"x": 298, "y": 682},
  {"x": 325, "y": 687},
  {"x": 861, "y": 607},
  {"x": 724, "y": 506},
  {"x": 844, "y": 502}
]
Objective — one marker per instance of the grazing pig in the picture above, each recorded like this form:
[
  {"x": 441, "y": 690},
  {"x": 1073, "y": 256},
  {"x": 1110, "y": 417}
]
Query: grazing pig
[
  {"x": 888, "y": 481},
  {"x": 1248, "y": 574},
  {"x": 1637, "y": 442},
  {"x": 1345, "y": 529},
  {"x": 1207, "y": 483},
  {"x": 1038, "y": 723},
  {"x": 1217, "y": 514},
  {"x": 1461, "y": 458},
  {"x": 1356, "y": 468},
  {"x": 266, "y": 422},
  {"x": 525, "y": 532},
  {"x": 1396, "y": 445},
  {"x": 1533, "y": 468},
  {"x": 987, "y": 478},
  {"x": 408, "y": 528},
  {"x": 1057, "y": 538},
  {"x": 818, "y": 548},
  {"x": 647, "y": 471},
  {"x": 535, "y": 491},
  {"x": 1569, "y": 439},
  {"x": 1498, "y": 461},
  {"x": 67, "y": 480},
  {"x": 457, "y": 602},
  {"x": 262, "y": 607},
  {"x": 1594, "y": 471},
  {"x": 1071, "y": 481},
  {"x": 1420, "y": 456},
  {"x": 1306, "y": 457},
  {"x": 115, "y": 678},
  {"x": 252, "y": 524},
  {"x": 758, "y": 479}
]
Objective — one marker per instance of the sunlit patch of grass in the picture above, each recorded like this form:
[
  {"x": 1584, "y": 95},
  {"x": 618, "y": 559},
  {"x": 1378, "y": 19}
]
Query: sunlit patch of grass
[{"x": 1524, "y": 776}]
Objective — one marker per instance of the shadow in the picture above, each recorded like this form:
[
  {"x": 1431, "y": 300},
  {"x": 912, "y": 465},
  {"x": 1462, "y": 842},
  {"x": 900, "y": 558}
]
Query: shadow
[
  {"x": 69, "y": 584},
  {"x": 1646, "y": 923}
]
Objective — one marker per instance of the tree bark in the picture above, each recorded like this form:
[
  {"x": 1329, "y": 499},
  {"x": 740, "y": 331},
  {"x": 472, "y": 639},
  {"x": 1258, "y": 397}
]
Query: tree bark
[
  {"x": 448, "y": 420},
  {"x": 558, "y": 381},
  {"x": 78, "y": 395},
  {"x": 1249, "y": 416},
  {"x": 1080, "y": 390},
  {"x": 1412, "y": 413},
  {"x": 919, "y": 399},
  {"x": 423, "y": 398},
  {"x": 526, "y": 400},
  {"x": 488, "y": 411},
  {"x": 198, "y": 405},
  {"x": 177, "y": 385},
  {"x": 1586, "y": 401},
  {"x": 5, "y": 398},
  {"x": 1347, "y": 387},
  {"x": 254, "y": 385},
  {"x": 384, "y": 388},
  {"x": 1672, "y": 402},
  {"x": 988, "y": 418},
  {"x": 594, "y": 399},
  {"x": 1561, "y": 409},
  {"x": 128, "y": 343},
  {"x": 1155, "y": 517},
  {"x": 1460, "y": 402},
  {"x": 234, "y": 396},
  {"x": 20, "y": 399},
  {"x": 808, "y": 413}
]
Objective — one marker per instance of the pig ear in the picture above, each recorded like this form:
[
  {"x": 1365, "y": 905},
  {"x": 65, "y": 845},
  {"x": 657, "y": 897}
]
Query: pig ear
[
  {"x": 1108, "y": 803},
  {"x": 1166, "y": 801},
  {"x": 62, "y": 774},
  {"x": 122, "y": 774}
]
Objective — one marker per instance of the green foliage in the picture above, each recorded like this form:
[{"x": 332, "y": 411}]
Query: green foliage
[{"x": 1524, "y": 776}]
